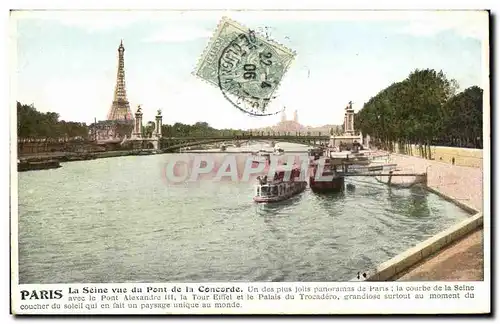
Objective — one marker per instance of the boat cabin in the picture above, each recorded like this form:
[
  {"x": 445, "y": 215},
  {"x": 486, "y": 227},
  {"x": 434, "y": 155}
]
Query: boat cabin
[
  {"x": 269, "y": 190},
  {"x": 279, "y": 176},
  {"x": 278, "y": 186},
  {"x": 278, "y": 189},
  {"x": 316, "y": 153},
  {"x": 331, "y": 166}
]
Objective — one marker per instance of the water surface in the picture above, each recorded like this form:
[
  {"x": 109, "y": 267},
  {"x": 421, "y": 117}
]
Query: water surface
[{"x": 117, "y": 220}]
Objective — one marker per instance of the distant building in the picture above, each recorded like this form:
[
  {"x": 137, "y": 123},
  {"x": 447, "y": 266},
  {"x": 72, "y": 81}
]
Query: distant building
[
  {"x": 288, "y": 125},
  {"x": 110, "y": 130},
  {"x": 293, "y": 126}
]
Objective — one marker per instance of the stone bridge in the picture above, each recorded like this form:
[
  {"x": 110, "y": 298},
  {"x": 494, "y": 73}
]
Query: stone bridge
[{"x": 171, "y": 144}]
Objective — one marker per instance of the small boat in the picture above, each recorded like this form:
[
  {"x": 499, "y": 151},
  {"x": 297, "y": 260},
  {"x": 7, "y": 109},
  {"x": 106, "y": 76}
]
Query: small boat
[
  {"x": 316, "y": 153},
  {"x": 261, "y": 156},
  {"x": 360, "y": 159},
  {"x": 349, "y": 157},
  {"x": 37, "y": 165},
  {"x": 144, "y": 152},
  {"x": 278, "y": 150},
  {"x": 277, "y": 189},
  {"x": 373, "y": 167},
  {"x": 263, "y": 153},
  {"x": 378, "y": 157},
  {"x": 335, "y": 182}
]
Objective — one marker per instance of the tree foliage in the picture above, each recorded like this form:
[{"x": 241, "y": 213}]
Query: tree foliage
[
  {"x": 463, "y": 118},
  {"x": 148, "y": 129},
  {"x": 196, "y": 130},
  {"x": 423, "y": 109},
  {"x": 32, "y": 124}
]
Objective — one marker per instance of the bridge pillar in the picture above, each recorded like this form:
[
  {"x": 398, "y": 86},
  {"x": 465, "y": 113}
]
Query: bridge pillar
[
  {"x": 349, "y": 120},
  {"x": 158, "y": 124},
  {"x": 137, "y": 132}
]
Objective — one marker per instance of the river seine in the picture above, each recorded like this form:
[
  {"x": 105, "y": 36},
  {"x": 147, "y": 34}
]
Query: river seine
[{"x": 119, "y": 220}]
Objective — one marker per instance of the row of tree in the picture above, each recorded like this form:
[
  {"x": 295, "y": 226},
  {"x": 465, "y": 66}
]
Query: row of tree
[
  {"x": 424, "y": 109},
  {"x": 35, "y": 125},
  {"x": 196, "y": 130},
  {"x": 203, "y": 129},
  {"x": 32, "y": 124}
]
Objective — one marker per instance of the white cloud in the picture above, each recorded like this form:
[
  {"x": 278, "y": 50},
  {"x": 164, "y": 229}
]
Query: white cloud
[
  {"x": 98, "y": 20},
  {"x": 178, "y": 34},
  {"x": 473, "y": 24},
  {"x": 89, "y": 20},
  {"x": 420, "y": 23}
]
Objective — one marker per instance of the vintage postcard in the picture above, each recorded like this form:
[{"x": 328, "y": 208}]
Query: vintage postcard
[{"x": 250, "y": 162}]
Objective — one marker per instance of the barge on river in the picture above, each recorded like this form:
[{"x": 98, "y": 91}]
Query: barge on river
[
  {"x": 335, "y": 166},
  {"x": 37, "y": 165},
  {"x": 279, "y": 188},
  {"x": 329, "y": 180}
]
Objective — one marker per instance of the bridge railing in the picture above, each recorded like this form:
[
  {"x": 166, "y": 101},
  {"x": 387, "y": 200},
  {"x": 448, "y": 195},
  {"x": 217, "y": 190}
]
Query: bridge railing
[
  {"x": 254, "y": 134},
  {"x": 287, "y": 133}
]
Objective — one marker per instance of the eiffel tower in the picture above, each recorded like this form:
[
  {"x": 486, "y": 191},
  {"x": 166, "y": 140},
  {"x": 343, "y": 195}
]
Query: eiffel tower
[{"x": 120, "y": 109}]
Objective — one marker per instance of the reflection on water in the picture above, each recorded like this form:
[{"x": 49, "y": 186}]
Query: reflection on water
[
  {"x": 413, "y": 200},
  {"x": 118, "y": 220},
  {"x": 279, "y": 208}
]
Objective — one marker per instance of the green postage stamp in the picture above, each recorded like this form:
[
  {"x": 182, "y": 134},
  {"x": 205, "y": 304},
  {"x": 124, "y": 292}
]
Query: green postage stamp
[{"x": 245, "y": 66}]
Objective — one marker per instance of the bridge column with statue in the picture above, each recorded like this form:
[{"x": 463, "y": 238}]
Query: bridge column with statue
[
  {"x": 137, "y": 140},
  {"x": 158, "y": 124},
  {"x": 349, "y": 136},
  {"x": 349, "y": 120},
  {"x": 137, "y": 132}
]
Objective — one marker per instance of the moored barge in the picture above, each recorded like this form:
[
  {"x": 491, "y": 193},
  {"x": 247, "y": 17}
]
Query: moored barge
[
  {"x": 324, "y": 176},
  {"x": 37, "y": 165}
]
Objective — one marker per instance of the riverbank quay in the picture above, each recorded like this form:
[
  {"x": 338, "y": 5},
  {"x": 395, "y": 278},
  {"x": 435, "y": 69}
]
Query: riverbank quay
[
  {"x": 459, "y": 184},
  {"x": 81, "y": 156},
  {"x": 463, "y": 259},
  {"x": 456, "y": 253}
]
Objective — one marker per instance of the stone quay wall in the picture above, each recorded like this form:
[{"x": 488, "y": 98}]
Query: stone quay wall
[
  {"x": 453, "y": 155},
  {"x": 442, "y": 257}
]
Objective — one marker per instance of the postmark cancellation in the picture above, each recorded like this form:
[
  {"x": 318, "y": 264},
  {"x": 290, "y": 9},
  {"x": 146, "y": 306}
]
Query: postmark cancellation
[{"x": 246, "y": 66}]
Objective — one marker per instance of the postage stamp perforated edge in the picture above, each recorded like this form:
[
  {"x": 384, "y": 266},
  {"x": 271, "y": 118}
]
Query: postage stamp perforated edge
[
  {"x": 236, "y": 25},
  {"x": 206, "y": 50}
]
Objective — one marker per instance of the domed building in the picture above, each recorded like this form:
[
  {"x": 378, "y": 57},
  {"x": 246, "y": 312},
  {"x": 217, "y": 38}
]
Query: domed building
[
  {"x": 293, "y": 127},
  {"x": 289, "y": 125}
]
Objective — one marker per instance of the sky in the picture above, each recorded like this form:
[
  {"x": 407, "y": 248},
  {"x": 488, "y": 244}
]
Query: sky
[{"x": 66, "y": 61}]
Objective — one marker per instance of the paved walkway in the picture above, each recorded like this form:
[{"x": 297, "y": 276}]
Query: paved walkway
[
  {"x": 462, "y": 183},
  {"x": 462, "y": 260}
]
